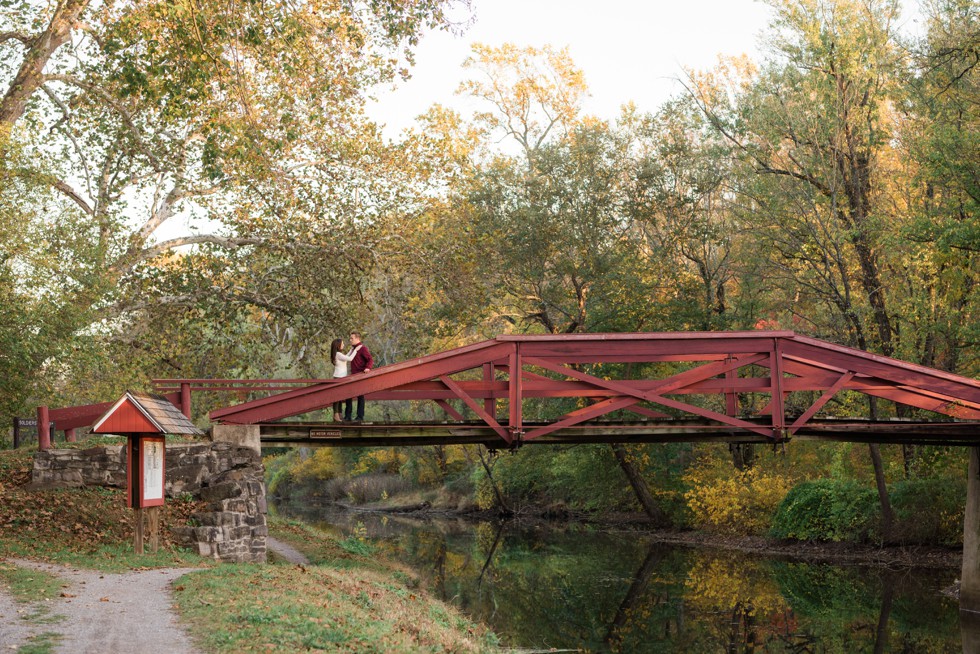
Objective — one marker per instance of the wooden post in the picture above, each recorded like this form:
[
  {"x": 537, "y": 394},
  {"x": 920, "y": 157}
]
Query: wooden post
[
  {"x": 153, "y": 519},
  {"x": 16, "y": 433},
  {"x": 970, "y": 575},
  {"x": 43, "y": 429},
  {"x": 138, "y": 542},
  {"x": 70, "y": 436}
]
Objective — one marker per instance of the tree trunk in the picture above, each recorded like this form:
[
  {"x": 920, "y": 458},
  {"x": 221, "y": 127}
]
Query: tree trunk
[
  {"x": 887, "y": 517},
  {"x": 639, "y": 485},
  {"x": 30, "y": 75},
  {"x": 503, "y": 508},
  {"x": 743, "y": 455}
]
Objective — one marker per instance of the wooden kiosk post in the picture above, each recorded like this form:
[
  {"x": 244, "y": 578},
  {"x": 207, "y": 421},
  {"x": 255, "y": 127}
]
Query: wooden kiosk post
[{"x": 145, "y": 420}]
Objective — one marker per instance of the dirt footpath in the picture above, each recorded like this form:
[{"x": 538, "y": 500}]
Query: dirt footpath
[{"x": 101, "y": 613}]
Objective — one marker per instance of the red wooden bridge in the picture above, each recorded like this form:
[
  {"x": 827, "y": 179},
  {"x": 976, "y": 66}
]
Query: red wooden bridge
[{"x": 758, "y": 386}]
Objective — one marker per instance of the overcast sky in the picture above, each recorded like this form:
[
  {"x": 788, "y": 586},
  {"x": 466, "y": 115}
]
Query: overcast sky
[{"x": 628, "y": 49}]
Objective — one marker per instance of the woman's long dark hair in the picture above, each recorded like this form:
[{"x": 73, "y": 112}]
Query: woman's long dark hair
[{"x": 334, "y": 349}]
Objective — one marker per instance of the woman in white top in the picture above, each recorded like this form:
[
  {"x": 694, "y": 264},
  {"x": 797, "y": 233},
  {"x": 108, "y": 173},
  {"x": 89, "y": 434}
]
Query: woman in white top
[{"x": 340, "y": 369}]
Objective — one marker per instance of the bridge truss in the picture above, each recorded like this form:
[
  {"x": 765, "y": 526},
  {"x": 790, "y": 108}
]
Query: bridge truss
[{"x": 759, "y": 386}]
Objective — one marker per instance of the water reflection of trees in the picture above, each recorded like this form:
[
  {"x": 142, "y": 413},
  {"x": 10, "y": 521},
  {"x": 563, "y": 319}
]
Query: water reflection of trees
[{"x": 597, "y": 591}]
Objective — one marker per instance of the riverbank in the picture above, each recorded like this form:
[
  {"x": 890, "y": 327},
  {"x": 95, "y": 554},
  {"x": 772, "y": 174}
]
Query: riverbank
[
  {"x": 887, "y": 556},
  {"x": 622, "y": 586},
  {"x": 67, "y": 552}
]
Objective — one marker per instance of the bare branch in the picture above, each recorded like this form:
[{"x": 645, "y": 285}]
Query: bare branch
[
  {"x": 123, "y": 113},
  {"x": 67, "y": 190},
  {"x": 15, "y": 36},
  {"x": 223, "y": 241},
  {"x": 29, "y": 76},
  {"x": 66, "y": 112}
]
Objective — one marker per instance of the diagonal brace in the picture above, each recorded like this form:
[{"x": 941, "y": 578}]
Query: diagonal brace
[
  {"x": 477, "y": 409},
  {"x": 583, "y": 414},
  {"x": 650, "y": 396}
]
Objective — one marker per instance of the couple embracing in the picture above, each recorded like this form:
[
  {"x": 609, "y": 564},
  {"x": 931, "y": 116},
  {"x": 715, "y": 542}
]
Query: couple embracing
[{"x": 360, "y": 360}]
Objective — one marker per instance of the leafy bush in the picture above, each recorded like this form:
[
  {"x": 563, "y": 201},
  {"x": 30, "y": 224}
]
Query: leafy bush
[
  {"x": 828, "y": 509},
  {"x": 742, "y": 502},
  {"x": 278, "y": 472},
  {"x": 374, "y": 487},
  {"x": 929, "y": 510}
]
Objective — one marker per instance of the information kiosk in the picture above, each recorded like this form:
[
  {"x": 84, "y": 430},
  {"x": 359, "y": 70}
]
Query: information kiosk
[{"x": 145, "y": 420}]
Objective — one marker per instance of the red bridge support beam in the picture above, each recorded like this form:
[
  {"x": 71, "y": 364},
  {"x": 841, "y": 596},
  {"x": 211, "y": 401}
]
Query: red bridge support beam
[
  {"x": 516, "y": 394},
  {"x": 43, "y": 429},
  {"x": 185, "y": 399}
]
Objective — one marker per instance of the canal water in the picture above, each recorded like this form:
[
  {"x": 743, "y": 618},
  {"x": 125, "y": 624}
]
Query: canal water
[{"x": 578, "y": 587}]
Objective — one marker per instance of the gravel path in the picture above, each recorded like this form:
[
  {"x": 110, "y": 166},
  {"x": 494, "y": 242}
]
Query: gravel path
[
  {"x": 128, "y": 613},
  {"x": 286, "y": 551},
  {"x": 13, "y": 628}
]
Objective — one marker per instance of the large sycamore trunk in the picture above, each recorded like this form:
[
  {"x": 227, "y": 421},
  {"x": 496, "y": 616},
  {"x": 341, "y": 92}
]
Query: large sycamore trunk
[{"x": 30, "y": 75}]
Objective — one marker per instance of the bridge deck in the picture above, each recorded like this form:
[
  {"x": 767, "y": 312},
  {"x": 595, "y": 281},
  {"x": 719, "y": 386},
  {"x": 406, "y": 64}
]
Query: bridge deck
[{"x": 332, "y": 434}]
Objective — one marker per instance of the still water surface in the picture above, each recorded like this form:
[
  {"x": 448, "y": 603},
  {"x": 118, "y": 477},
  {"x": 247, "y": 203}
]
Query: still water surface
[{"x": 583, "y": 588}]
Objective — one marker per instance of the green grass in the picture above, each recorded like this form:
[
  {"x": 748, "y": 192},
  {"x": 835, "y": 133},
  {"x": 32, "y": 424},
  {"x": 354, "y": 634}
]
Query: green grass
[
  {"x": 293, "y": 608},
  {"x": 341, "y": 602},
  {"x": 33, "y": 589},
  {"x": 107, "y": 557},
  {"x": 44, "y": 643},
  {"x": 347, "y": 600},
  {"x": 26, "y": 585}
]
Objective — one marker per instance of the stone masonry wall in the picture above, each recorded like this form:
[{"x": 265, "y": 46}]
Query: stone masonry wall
[{"x": 228, "y": 477}]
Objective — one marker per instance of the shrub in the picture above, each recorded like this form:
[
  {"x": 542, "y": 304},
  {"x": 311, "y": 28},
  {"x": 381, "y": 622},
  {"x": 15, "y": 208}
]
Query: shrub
[
  {"x": 374, "y": 487},
  {"x": 278, "y": 472},
  {"x": 929, "y": 510},
  {"x": 828, "y": 509},
  {"x": 742, "y": 502}
]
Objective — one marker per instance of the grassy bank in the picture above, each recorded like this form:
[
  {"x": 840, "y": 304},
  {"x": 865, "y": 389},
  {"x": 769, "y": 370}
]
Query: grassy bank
[{"x": 347, "y": 600}]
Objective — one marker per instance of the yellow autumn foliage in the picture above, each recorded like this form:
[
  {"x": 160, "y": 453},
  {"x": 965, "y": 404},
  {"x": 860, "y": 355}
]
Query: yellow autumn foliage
[
  {"x": 741, "y": 502},
  {"x": 718, "y": 584},
  {"x": 322, "y": 464},
  {"x": 387, "y": 460}
]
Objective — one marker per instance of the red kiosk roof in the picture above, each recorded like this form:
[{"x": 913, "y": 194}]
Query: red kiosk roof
[{"x": 144, "y": 413}]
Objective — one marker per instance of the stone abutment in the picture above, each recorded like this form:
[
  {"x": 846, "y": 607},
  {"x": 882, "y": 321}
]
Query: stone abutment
[{"x": 228, "y": 476}]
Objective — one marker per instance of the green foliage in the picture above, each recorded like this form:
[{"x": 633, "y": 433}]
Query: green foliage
[
  {"x": 582, "y": 478},
  {"x": 828, "y": 509},
  {"x": 929, "y": 510},
  {"x": 278, "y": 470}
]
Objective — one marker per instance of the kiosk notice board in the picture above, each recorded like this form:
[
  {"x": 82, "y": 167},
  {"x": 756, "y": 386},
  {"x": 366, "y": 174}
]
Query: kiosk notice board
[
  {"x": 145, "y": 419},
  {"x": 145, "y": 470}
]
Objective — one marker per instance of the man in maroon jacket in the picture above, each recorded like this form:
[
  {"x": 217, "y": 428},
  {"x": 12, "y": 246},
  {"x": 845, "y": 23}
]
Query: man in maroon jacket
[{"x": 362, "y": 362}]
